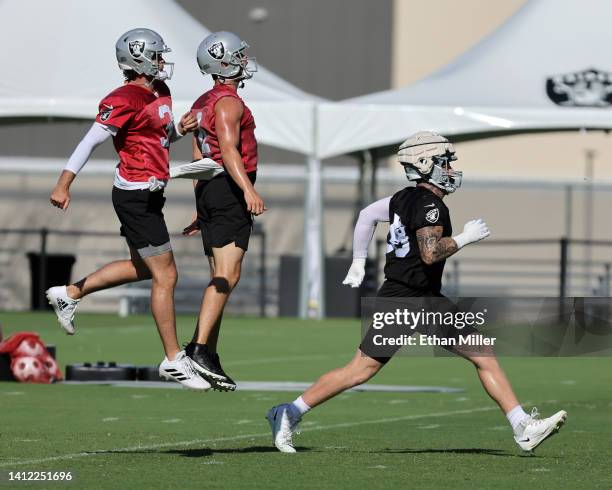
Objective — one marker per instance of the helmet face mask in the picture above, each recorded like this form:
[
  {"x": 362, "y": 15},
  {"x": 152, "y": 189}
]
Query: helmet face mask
[
  {"x": 427, "y": 157},
  {"x": 141, "y": 51},
  {"x": 165, "y": 69},
  {"x": 223, "y": 55},
  {"x": 444, "y": 176}
]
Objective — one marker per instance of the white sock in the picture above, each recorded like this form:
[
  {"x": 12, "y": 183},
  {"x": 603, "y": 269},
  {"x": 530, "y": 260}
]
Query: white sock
[
  {"x": 516, "y": 416},
  {"x": 299, "y": 407}
]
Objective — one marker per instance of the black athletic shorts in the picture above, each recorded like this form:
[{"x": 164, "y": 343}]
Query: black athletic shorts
[
  {"x": 142, "y": 220},
  {"x": 394, "y": 289},
  {"x": 222, "y": 213}
]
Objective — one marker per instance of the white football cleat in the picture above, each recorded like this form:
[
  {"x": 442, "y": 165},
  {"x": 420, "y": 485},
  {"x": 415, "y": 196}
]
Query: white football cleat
[
  {"x": 64, "y": 307},
  {"x": 282, "y": 428},
  {"x": 536, "y": 430},
  {"x": 181, "y": 370}
]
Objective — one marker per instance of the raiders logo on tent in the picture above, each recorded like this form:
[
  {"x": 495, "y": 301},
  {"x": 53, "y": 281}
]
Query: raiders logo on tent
[
  {"x": 217, "y": 51},
  {"x": 586, "y": 88},
  {"x": 136, "y": 48}
]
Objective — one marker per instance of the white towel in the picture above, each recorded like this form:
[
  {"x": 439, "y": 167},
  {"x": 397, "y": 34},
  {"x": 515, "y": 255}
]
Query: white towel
[{"x": 204, "y": 169}]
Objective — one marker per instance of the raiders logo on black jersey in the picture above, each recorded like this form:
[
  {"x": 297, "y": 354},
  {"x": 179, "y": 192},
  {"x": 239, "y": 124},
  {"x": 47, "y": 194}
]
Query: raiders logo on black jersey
[{"x": 410, "y": 210}]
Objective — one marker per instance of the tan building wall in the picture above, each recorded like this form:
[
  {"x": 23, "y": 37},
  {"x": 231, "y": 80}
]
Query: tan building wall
[{"x": 428, "y": 35}]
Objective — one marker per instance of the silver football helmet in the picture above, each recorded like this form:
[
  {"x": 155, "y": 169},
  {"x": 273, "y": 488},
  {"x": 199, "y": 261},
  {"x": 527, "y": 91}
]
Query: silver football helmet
[
  {"x": 426, "y": 157},
  {"x": 223, "y": 54},
  {"x": 141, "y": 50}
]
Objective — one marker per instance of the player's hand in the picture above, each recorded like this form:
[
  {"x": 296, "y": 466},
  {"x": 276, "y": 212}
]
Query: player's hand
[
  {"x": 60, "y": 197},
  {"x": 476, "y": 230},
  {"x": 355, "y": 274},
  {"x": 254, "y": 202},
  {"x": 193, "y": 228},
  {"x": 188, "y": 123}
]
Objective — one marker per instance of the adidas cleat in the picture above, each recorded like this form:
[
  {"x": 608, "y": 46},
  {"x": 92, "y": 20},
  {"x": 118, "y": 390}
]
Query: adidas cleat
[
  {"x": 181, "y": 370},
  {"x": 64, "y": 307},
  {"x": 536, "y": 430}
]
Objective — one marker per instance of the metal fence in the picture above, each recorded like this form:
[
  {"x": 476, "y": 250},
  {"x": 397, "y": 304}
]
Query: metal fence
[
  {"x": 501, "y": 268},
  {"x": 527, "y": 268},
  {"x": 29, "y": 259}
]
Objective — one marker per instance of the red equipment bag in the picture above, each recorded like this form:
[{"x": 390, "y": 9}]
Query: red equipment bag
[{"x": 30, "y": 360}]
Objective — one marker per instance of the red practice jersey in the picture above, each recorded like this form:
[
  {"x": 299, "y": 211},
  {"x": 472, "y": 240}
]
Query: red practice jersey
[
  {"x": 204, "y": 110},
  {"x": 145, "y": 124}
]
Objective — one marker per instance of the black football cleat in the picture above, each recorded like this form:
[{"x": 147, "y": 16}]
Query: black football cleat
[
  {"x": 230, "y": 382},
  {"x": 209, "y": 367}
]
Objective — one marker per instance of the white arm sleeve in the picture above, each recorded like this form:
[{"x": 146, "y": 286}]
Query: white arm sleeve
[
  {"x": 366, "y": 225},
  {"x": 97, "y": 134}
]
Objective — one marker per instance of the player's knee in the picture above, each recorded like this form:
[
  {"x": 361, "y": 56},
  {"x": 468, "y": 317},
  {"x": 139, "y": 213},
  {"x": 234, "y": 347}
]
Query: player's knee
[
  {"x": 172, "y": 276},
  {"x": 361, "y": 374},
  {"x": 165, "y": 276},
  {"x": 485, "y": 363},
  {"x": 361, "y": 377},
  {"x": 225, "y": 280},
  {"x": 221, "y": 284}
]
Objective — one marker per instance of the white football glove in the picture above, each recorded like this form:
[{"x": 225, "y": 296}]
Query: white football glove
[
  {"x": 355, "y": 274},
  {"x": 473, "y": 231}
]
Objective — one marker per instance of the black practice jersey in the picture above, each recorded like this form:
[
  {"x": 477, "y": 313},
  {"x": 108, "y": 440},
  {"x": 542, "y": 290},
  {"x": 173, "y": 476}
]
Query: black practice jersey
[{"x": 410, "y": 209}]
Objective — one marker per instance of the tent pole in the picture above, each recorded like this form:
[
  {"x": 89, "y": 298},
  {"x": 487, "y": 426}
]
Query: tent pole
[
  {"x": 312, "y": 304},
  {"x": 374, "y": 181}
]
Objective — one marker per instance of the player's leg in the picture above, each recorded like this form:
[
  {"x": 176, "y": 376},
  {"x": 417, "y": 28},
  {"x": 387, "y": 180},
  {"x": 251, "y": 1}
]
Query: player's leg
[
  {"x": 358, "y": 371},
  {"x": 365, "y": 364},
  {"x": 529, "y": 430},
  {"x": 226, "y": 227},
  {"x": 111, "y": 275},
  {"x": 143, "y": 226},
  {"x": 65, "y": 299},
  {"x": 176, "y": 365},
  {"x": 491, "y": 375},
  {"x": 225, "y": 274},
  {"x": 284, "y": 418},
  {"x": 213, "y": 338},
  {"x": 164, "y": 276},
  {"x": 227, "y": 268}
]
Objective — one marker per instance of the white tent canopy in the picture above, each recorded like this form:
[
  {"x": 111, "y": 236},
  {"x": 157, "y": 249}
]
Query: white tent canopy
[
  {"x": 63, "y": 62},
  {"x": 550, "y": 49}
]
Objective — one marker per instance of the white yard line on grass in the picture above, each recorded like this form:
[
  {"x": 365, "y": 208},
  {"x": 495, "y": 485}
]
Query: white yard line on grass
[
  {"x": 63, "y": 457},
  {"x": 274, "y": 360}
]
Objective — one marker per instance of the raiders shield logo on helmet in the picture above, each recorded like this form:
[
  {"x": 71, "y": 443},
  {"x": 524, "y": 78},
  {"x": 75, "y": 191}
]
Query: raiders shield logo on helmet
[
  {"x": 432, "y": 215},
  {"x": 136, "y": 48},
  {"x": 106, "y": 112},
  {"x": 217, "y": 51},
  {"x": 586, "y": 88}
]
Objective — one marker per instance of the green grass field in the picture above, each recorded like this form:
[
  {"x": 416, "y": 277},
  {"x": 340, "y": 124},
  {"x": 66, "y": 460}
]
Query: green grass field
[{"x": 111, "y": 437}]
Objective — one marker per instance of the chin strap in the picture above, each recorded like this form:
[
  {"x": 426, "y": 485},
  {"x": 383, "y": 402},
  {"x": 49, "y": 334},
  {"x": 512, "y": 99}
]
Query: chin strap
[{"x": 238, "y": 78}]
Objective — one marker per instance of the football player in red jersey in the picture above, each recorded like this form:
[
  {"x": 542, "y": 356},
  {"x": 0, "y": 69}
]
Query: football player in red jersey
[
  {"x": 227, "y": 201},
  {"x": 138, "y": 117}
]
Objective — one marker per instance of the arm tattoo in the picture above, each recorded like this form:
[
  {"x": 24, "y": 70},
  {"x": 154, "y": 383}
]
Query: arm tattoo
[{"x": 432, "y": 246}]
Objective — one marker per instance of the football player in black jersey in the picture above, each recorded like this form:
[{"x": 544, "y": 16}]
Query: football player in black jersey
[{"x": 419, "y": 241}]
